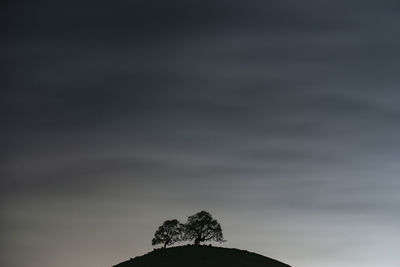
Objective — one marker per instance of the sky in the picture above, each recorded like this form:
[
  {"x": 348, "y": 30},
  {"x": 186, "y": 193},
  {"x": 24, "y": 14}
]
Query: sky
[{"x": 280, "y": 118}]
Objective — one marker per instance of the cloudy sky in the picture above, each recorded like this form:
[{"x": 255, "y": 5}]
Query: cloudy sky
[{"x": 281, "y": 118}]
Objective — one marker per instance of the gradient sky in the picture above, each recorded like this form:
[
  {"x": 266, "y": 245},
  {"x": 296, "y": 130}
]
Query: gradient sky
[{"x": 281, "y": 118}]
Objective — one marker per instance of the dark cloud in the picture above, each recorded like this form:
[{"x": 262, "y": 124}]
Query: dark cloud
[{"x": 121, "y": 113}]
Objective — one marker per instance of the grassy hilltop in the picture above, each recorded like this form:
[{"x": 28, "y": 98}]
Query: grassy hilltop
[{"x": 201, "y": 256}]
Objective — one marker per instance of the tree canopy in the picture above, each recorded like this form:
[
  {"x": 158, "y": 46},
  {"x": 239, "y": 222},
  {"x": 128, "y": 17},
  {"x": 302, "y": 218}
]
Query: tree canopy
[
  {"x": 168, "y": 233},
  {"x": 202, "y": 227}
]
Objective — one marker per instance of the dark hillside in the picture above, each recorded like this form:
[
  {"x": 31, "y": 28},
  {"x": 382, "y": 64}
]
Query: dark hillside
[{"x": 201, "y": 256}]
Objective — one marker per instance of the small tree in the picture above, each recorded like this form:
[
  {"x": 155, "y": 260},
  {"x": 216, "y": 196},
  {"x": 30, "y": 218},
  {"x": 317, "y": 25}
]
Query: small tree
[
  {"x": 201, "y": 227},
  {"x": 168, "y": 233}
]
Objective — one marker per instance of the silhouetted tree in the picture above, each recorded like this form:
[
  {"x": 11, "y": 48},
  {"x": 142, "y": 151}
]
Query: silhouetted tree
[
  {"x": 168, "y": 233},
  {"x": 201, "y": 227}
]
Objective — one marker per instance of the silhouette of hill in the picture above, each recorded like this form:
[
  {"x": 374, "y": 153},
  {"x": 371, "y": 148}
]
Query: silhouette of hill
[{"x": 201, "y": 256}]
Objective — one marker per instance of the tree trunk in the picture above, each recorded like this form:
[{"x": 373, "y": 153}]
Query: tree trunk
[{"x": 197, "y": 241}]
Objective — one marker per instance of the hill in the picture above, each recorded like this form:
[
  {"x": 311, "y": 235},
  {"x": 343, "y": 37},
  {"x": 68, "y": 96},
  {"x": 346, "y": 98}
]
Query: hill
[{"x": 201, "y": 256}]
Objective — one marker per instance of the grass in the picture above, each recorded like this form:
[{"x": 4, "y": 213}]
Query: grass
[{"x": 201, "y": 256}]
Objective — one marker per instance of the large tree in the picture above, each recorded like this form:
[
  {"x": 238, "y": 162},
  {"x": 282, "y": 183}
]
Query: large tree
[
  {"x": 168, "y": 233},
  {"x": 202, "y": 227}
]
